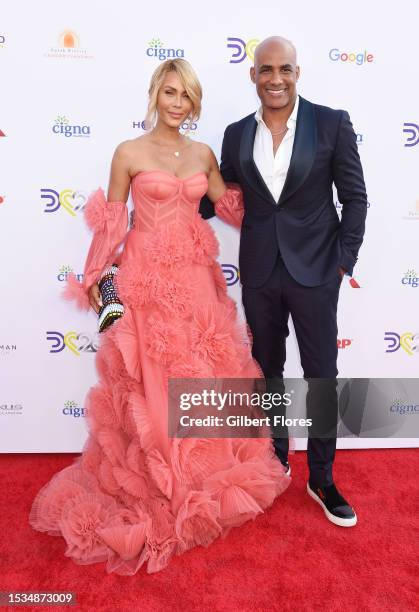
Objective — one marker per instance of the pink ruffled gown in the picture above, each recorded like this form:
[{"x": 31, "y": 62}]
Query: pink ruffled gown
[{"x": 136, "y": 496}]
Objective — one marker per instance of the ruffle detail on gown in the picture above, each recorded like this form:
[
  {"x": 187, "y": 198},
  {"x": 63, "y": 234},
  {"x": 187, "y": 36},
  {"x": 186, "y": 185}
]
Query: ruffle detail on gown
[
  {"x": 135, "y": 497},
  {"x": 123, "y": 502},
  {"x": 108, "y": 221},
  {"x": 230, "y": 206}
]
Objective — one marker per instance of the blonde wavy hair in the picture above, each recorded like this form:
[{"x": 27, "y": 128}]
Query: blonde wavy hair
[{"x": 189, "y": 81}]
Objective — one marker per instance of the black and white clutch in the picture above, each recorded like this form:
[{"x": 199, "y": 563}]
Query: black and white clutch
[{"x": 112, "y": 308}]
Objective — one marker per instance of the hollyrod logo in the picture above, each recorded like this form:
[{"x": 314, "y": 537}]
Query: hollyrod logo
[
  {"x": 2, "y": 134},
  {"x": 72, "y": 409},
  {"x": 2, "y": 41},
  {"x": 401, "y": 407},
  {"x": 157, "y": 49},
  {"x": 64, "y": 271},
  {"x": 242, "y": 49},
  {"x": 185, "y": 126},
  {"x": 2, "y": 198},
  {"x": 344, "y": 343},
  {"x": 62, "y": 126},
  {"x": 71, "y": 201},
  {"x": 413, "y": 130},
  {"x": 77, "y": 343},
  {"x": 411, "y": 279},
  {"x": 358, "y": 58},
  {"x": 68, "y": 47},
  {"x": 407, "y": 341}
]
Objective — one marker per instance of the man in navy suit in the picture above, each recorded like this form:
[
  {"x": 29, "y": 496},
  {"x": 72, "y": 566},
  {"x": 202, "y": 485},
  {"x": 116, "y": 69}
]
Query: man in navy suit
[{"x": 294, "y": 249}]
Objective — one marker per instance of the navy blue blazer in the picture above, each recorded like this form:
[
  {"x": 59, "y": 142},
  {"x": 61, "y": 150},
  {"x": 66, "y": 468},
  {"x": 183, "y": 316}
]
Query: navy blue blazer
[{"x": 303, "y": 225}]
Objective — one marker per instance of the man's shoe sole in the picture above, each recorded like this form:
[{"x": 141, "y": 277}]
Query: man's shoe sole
[{"x": 341, "y": 522}]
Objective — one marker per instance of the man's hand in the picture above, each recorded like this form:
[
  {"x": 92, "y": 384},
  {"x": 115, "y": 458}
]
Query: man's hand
[{"x": 95, "y": 298}]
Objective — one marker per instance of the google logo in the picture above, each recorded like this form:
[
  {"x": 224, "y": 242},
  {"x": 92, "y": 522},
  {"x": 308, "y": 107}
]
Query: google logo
[{"x": 358, "y": 58}]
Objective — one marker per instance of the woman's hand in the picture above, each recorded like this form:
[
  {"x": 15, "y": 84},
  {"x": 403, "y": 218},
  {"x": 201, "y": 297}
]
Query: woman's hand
[{"x": 95, "y": 297}]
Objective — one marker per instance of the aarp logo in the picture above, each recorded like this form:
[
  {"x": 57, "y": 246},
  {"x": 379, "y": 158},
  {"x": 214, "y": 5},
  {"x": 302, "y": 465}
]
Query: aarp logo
[{"x": 344, "y": 343}]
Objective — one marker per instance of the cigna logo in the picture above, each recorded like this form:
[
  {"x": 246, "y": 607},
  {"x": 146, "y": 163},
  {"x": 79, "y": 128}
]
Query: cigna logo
[
  {"x": 64, "y": 271},
  {"x": 63, "y": 127},
  {"x": 68, "y": 47},
  {"x": 241, "y": 49},
  {"x": 412, "y": 134},
  {"x": 186, "y": 126},
  {"x": 69, "y": 200},
  {"x": 411, "y": 279},
  {"x": 76, "y": 342},
  {"x": 71, "y": 408},
  {"x": 351, "y": 57},
  {"x": 402, "y": 407},
  {"x": 407, "y": 341},
  {"x": 344, "y": 343},
  {"x": 156, "y": 48},
  {"x": 231, "y": 273}
]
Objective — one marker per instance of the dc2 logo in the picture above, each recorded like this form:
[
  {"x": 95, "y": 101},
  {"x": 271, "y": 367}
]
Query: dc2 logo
[
  {"x": 413, "y": 130},
  {"x": 408, "y": 342},
  {"x": 78, "y": 343},
  {"x": 242, "y": 49},
  {"x": 72, "y": 201},
  {"x": 231, "y": 273}
]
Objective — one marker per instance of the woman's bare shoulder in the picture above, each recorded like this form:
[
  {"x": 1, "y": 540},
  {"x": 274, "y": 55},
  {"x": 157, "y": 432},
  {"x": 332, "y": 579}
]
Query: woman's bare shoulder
[{"x": 204, "y": 151}]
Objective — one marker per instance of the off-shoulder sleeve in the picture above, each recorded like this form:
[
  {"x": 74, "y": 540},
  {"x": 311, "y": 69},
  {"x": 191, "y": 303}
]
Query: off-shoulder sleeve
[
  {"x": 230, "y": 206},
  {"x": 108, "y": 222}
]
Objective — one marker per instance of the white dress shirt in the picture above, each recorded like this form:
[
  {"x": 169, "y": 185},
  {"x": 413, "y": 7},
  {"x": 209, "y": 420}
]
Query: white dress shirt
[{"x": 274, "y": 168}]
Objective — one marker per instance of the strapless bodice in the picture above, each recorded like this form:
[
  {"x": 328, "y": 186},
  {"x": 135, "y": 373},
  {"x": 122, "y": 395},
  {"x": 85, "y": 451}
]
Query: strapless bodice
[{"x": 161, "y": 198}]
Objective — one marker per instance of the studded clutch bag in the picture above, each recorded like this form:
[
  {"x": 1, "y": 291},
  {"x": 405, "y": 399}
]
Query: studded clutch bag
[{"x": 112, "y": 308}]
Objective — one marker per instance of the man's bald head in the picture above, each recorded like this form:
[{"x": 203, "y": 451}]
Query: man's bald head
[{"x": 272, "y": 44}]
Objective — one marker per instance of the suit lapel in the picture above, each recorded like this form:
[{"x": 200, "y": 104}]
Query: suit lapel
[
  {"x": 302, "y": 158},
  {"x": 303, "y": 151},
  {"x": 247, "y": 163}
]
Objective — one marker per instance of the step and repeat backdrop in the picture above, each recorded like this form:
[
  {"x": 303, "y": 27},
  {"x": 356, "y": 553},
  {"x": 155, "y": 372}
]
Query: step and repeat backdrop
[{"x": 74, "y": 82}]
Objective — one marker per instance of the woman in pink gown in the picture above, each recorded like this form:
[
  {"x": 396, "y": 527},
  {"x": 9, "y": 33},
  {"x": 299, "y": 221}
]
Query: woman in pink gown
[{"x": 136, "y": 496}]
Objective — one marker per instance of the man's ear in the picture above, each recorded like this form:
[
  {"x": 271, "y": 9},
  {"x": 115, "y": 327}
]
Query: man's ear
[
  {"x": 297, "y": 72},
  {"x": 253, "y": 74}
]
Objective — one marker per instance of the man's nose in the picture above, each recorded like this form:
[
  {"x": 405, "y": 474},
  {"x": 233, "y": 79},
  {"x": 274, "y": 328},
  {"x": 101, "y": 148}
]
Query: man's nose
[{"x": 277, "y": 77}]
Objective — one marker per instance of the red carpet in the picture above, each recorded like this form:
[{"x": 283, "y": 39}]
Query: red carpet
[{"x": 291, "y": 558}]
